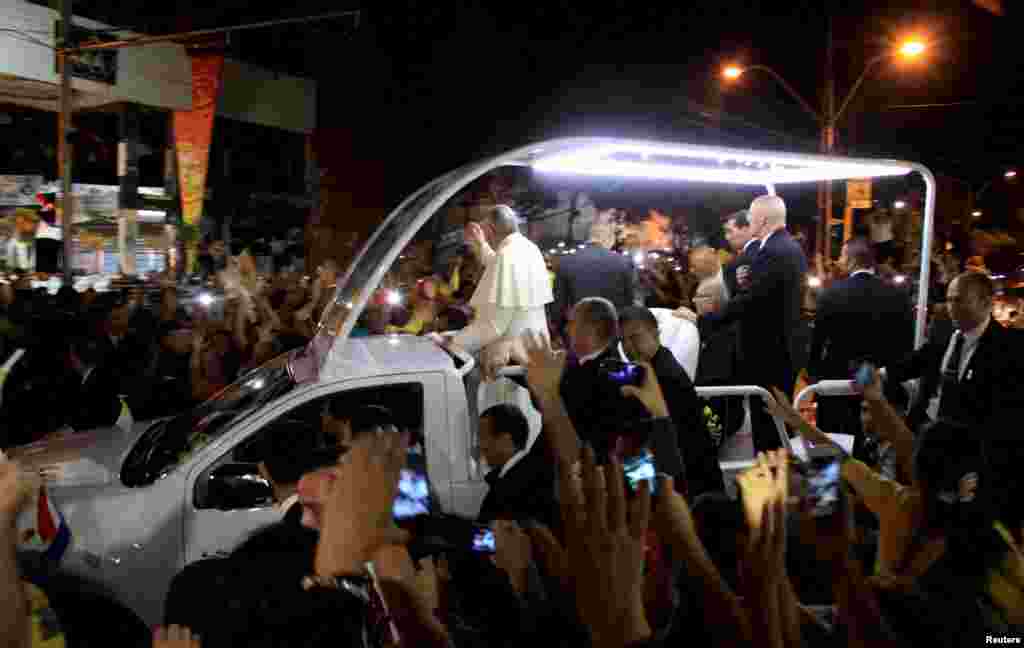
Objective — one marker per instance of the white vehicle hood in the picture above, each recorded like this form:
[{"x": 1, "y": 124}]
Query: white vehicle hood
[{"x": 91, "y": 458}]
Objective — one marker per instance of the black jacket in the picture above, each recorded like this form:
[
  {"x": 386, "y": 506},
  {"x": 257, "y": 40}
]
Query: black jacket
[
  {"x": 592, "y": 272},
  {"x": 525, "y": 492},
  {"x": 95, "y": 402},
  {"x": 594, "y": 404},
  {"x": 769, "y": 312},
  {"x": 860, "y": 319},
  {"x": 744, "y": 258},
  {"x": 992, "y": 388},
  {"x": 703, "y": 472}
]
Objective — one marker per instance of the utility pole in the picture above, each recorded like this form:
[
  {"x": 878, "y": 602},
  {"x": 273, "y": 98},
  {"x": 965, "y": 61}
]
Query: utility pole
[
  {"x": 64, "y": 152},
  {"x": 828, "y": 143}
]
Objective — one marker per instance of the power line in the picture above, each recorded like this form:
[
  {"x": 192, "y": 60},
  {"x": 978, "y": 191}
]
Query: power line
[{"x": 199, "y": 33}]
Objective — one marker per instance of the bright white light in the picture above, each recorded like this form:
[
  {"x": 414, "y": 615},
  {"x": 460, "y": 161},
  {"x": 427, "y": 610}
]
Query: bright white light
[
  {"x": 393, "y": 340},
  {"x": 1010, "y": 174},
  {"x": 348, "y": 305},
  {"x": 638, "y": 258},
  {"x": 256, "y": 383},
  {"x": 678, "y": 268},
  {"x": 654, "y": 255},
  {"x": 976, "y": 213},
  {"x": 553, "y": 251},
  {"x": 572, "y": 251},
  {"x": 704, "y": 164},
  {"x": 580, "y": 247},
  {"x": 561, "y": 244},
  {"x": 206, "y": 299},
  {"x": 394, "y": 297},
  {"x": 899, "y": 204},
  {"x": 814, "y": 282},
  {"x": 899, "y": 279}
]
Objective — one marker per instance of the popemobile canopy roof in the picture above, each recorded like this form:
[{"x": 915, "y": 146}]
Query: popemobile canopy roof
[
  {"x": 594, "y": 156},
  {"x": 690, "y": 162}
]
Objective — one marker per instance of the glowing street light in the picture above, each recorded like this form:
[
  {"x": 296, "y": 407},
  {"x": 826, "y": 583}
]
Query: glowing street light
[
  {"x": 900, "y": 204},
  {"x": 912, "y": 48},
  {"x": 1010, "y": 175},
  {"x": 976, "y": 213},
  {"x": 732, "y": 72}
]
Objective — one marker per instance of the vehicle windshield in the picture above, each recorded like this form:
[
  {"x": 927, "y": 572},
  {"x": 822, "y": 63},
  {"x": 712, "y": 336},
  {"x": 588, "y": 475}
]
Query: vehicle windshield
[{"x": 170, "y": 443}]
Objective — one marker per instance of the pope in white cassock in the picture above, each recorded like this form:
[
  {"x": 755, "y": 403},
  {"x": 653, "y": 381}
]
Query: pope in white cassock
[{"x": 510, "y": 297}]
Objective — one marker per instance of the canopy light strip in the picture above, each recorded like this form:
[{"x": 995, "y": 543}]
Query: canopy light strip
[{"x": 700, "y": 165}]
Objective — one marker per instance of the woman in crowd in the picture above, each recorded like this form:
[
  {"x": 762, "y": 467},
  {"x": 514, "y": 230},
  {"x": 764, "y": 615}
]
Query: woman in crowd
[{"x": 941, "y": 536}]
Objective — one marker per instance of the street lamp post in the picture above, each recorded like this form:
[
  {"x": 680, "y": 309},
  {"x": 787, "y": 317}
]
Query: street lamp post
[{"x": 829, "y": 119}]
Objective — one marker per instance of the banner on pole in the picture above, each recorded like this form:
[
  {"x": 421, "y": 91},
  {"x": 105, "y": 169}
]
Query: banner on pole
[{"x": 193, "y": 134}]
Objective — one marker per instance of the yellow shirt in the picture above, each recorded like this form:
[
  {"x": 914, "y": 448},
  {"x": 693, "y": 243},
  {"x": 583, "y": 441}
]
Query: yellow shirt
[{"x": 45, "y": 630}]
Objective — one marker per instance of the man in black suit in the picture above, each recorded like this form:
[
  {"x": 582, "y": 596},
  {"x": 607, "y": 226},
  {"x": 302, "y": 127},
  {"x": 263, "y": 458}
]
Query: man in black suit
[
  {"x": 741, "y": 239},
  {"x": 94, "y": 401},
  {"x": 768, "y": 312},
  {"x": 859, "y": 319},
  {"x": 977, "y": 376},
  {"x": 640, "y": 341},
  {"x": 594, "y": 271},
  {"x": 521, "y": 480},
  {"x": 595, "y": 405}
]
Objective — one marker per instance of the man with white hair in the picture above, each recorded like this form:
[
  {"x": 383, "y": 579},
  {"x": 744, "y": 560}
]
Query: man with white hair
[
  {"x": 768, "y": 312},
  {"x": 510, "y": 298},
  {"x": 514, "y": 289}
]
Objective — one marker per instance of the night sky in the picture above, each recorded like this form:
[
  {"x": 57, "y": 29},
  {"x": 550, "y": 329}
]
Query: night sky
[{"x": 427, "y": 86}]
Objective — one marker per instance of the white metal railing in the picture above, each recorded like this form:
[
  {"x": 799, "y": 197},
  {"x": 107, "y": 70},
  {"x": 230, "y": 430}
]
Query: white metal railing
[{"x": 744, "y": 391}]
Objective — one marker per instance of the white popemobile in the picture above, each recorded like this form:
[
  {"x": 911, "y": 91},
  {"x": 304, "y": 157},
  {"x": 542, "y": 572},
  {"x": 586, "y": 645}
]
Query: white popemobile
[{"x": 143, "y": 503}]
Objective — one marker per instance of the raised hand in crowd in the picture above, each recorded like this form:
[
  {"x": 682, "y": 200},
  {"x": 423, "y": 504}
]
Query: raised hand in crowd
[
  {"x": 765, "y": 491},
  {"x": 674, "y": 522},
  {"x": 649, "y": 393},
  {"x": 512, "y": 553},
  {"x": 17, "y": 487},
  {"x": 601, "y": 561},
  {"x": 175, "y": 637},
  {"x": 356, "y": 517},
  {"x": 544, "y": 369},
  {"x": 412, "y": 596}
]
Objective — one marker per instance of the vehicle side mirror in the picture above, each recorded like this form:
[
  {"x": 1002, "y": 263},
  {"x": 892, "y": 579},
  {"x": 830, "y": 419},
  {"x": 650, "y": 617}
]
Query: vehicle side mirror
[{"x": 235, "y": 486}]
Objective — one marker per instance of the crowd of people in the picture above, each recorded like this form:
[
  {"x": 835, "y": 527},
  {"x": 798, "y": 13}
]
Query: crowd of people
[{"x": 913, "y": 538}]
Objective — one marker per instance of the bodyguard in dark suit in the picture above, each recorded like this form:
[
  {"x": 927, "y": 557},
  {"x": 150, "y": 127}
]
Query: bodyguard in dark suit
[
  {"x": 768, "y": 312},
  {"x": 594, "y": 271},
  {"x": 859, "y": 319},
  {"x": 93, "y": 400},
  {"x": 978, "y": 376},
  {"x": 521, "y": 481},
  {"x": 640, "y": 340},
  {"x": 595, "y": 405}
]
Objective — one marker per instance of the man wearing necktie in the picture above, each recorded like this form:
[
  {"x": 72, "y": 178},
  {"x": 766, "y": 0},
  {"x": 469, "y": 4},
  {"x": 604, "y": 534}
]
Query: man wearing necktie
[{"x": 976, "y": 377}]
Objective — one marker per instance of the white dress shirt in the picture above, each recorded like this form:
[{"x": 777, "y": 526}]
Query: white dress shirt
[{"x": 971, "y": 339}]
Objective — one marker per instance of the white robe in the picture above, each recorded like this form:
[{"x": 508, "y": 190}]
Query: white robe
[
  {"x": 509, "y": 300},
  {"x": 511, "y": 295}
]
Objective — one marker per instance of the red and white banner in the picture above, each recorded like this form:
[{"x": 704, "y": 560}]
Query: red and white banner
[{"x": 193, "y": 133}]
